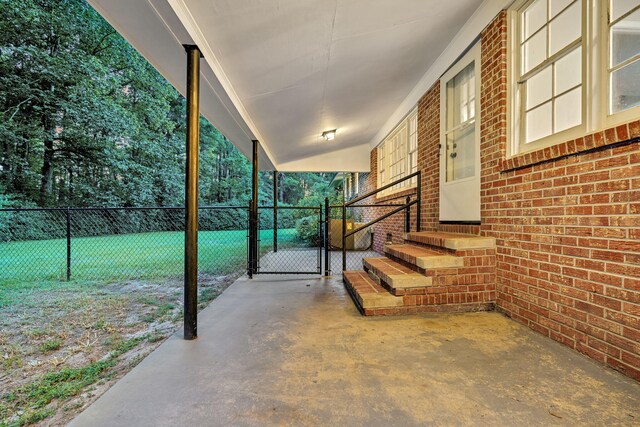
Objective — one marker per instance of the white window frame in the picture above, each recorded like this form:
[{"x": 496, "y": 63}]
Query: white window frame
[
  {"x": 595, "y": 80},
  {"x": 624, "y": 115},
  {"x": 389, "y": 148}
]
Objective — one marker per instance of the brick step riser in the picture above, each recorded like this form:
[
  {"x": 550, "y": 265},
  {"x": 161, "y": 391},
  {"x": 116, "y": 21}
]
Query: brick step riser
[
  {"x": 449, "y": 299},
  {"x": 425, "y": 272},
  {"x": 469, "y": 276},
  {"x": 454, "y": 252},
  {"x": 442, "y": 293},
  {"x": 449, "y": 308},
  {"x": 354, "y": 296},
  {"x": 381, "y": 279},
  {"x": 440, "y": 244},
  {"x": 439, "y": 249},
  {"x": 393, "y": 291}
]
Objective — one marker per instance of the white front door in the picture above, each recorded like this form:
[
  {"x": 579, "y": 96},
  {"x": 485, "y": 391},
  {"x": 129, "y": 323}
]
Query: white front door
[{"x": 460, "y": 140}]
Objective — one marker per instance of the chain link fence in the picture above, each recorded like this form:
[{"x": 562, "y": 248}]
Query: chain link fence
[
  {"x": 294, "y": 244},
  {"x": 148, "y": 243},
  {"x": 359, "y": 245},
  {"x": 117, "y": 243}
]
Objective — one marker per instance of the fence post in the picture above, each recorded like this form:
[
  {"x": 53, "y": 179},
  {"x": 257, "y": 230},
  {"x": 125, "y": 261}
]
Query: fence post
[
  {"x": 327, "y": 224},
  {"x": 407, "y": 216},
  {"x": 68, "y": 244}
]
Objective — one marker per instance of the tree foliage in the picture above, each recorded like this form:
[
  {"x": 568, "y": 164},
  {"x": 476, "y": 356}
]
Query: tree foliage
[{"x": 86, "y": 121}]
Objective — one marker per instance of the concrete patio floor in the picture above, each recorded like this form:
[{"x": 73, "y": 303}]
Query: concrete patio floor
[
  {"x": 306, "y": 259},
  {"x": 294, "y": 351}
]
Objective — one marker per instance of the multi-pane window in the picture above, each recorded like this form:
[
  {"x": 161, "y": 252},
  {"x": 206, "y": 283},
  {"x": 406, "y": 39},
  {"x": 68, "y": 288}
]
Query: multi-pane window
[
  {"x": 398, "y": 157},
  {"x": 576, "y": 65},
  {"x": 460, "y": 121},
  {"x": 623, "y": 68},
  {"x": 398, "y": 154},
  {"x": 550, "y": 69},
  {"x": 413, "y": 145}
]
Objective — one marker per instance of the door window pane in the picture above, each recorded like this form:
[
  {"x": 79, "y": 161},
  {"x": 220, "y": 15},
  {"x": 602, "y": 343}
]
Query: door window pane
[
  {"x": 461, "y": 97},
  {"x": 460, "y": 153},
  {"x": 460, "y": 125}
]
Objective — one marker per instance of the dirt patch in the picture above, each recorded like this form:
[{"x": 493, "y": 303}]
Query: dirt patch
[{"x": 64, "y": 344}]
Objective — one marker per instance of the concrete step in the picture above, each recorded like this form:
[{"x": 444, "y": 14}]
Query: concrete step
[
  {"x": 422, "y": 257},
  {"x": 394, "y": 275},
  {"x": 453, "y": 241},
  {"x": 367, "y": 293}
]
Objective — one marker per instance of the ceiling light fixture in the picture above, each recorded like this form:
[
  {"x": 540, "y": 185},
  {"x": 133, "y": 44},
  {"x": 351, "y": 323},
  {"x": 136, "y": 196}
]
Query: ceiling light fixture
[{"x": 329, "y": 134}]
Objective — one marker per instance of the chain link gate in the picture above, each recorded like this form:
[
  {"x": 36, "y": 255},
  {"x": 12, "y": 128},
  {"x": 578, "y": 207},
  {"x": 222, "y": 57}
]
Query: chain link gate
[{"x": 290, "y": 240}]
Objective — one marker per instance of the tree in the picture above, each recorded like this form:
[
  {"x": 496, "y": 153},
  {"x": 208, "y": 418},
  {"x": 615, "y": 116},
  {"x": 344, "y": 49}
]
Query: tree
[{"x": 86, "y": 121}]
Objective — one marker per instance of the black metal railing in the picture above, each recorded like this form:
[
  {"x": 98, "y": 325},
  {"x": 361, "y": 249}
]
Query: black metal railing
[
  {"x": 148, "y": 242},
  {"x": 406, "y": 207},
  {"x": 289, "y": 240}
]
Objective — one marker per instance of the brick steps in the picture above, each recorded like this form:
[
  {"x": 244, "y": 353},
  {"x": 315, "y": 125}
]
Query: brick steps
[
  {"x": 451, "y": 241},
  {"x": 435, "y": 272},
  {"x": 369, "y": 294},
  {"x": 422, "y": 257},
  {"x": 394, "y": 276}
]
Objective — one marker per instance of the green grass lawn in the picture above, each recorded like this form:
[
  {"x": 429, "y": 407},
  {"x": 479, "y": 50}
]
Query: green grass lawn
[{"x": 136, "y": 256}]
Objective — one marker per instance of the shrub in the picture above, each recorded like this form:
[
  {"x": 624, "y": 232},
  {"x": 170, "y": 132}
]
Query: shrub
[{"x": 307, "y": 230}]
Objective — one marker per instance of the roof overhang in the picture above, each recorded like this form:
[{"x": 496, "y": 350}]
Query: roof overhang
[{"x": 284, "y": 71}]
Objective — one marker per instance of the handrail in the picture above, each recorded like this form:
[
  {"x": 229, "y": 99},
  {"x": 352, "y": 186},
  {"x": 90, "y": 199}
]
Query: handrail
[
  {"x": 383, "y": 217},
  {"x": 384, "y": 187},
  {"x": 291, "y": 207},
  {"x": 406, "y": 207}
]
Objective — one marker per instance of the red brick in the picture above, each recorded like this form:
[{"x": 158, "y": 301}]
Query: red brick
[{"x": 567, "y": 231}]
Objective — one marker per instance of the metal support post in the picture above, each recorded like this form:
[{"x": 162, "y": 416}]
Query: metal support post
[
  {"x": 68, "y": 244},
  {"x": 191, "y": 194},
  {"x": 407, "y": 216},
  {"x": 327, "y": 224},
  {"x": 320, "y": 238},
  {"x": 344, "y": 237},
  {"x": 275, "y": 211},
  {"x": 249, "y": 242},
  {"x": 254, "y": 212}
]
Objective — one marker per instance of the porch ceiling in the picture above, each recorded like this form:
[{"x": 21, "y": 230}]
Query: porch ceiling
[{"x": 283, "y": 71}]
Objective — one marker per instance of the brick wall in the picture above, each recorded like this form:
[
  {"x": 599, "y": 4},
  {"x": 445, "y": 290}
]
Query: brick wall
[
  {"x": 566, "y": 219},
  {"x": 568, "y": 256}
]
